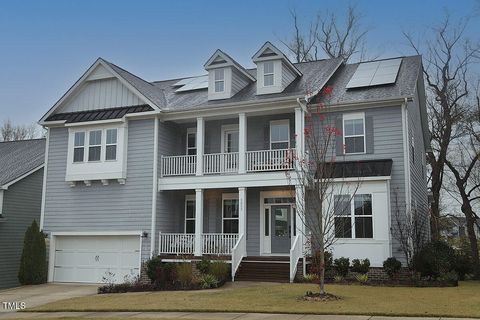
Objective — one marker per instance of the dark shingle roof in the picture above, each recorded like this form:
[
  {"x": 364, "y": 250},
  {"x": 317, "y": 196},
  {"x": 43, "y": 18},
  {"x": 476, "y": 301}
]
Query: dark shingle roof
[
  {"x": 366, "y": 168},
  {"x": 99, "y": 114},
  {"x": 20, "y": 157}
]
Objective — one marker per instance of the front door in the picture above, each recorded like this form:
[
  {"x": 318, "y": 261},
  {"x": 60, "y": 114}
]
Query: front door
[
  {"x": 280, "y": 228},
  {"x": 230, "y": 147}
]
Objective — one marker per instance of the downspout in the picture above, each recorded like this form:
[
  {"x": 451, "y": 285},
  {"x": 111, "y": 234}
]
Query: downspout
[
  {"x": 154, "y": 189},
  {"x": 406, "y": 155},
  {"x": 302, "y": 141},
  {"x": 44, "y": 184}
]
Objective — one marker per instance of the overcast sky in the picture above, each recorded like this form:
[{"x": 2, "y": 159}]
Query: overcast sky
[{"x": 45, "y": 46}]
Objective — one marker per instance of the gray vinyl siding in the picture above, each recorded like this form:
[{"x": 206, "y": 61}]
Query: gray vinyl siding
[
  {"x": 21, "y": 205},
  {"x": 113, "y": 207},
  {"x": 287, "y": 75},
  {"x": 418, "y": 171},
  {"x": 238, "y": 81},
  {"x": 384, "y": 140}
]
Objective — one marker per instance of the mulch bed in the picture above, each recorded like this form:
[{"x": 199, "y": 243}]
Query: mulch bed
[{"x": 316, "y": 296}]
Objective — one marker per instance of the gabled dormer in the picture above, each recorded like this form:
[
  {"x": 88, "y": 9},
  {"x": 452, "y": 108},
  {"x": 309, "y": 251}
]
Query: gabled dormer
[
  {"x": 225, "y": 76},
  {"x": 274, "y": 71}
]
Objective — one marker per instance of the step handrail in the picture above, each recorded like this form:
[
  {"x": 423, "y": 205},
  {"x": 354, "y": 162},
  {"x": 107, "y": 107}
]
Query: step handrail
[
  {"x": 239, "y": 251},
  {"x": 295, "y": 255}
]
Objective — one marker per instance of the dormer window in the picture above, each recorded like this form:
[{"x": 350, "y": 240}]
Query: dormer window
[
  {"x": 219, "y": 80},
  {"x": 268, "y": 73}
]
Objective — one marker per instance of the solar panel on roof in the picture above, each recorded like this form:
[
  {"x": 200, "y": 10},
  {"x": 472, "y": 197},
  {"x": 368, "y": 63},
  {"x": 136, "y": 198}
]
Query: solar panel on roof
[
  {"x": 195, "y": 83},
  {"x": 182, "y": 82},
  {"x": 375, "y": 73}
]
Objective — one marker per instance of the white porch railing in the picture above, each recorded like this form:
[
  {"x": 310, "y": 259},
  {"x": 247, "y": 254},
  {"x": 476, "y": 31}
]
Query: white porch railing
[
  {"x": 270, "y": 160},
  {"x": 295, "y": 255},
  {"x": 176, "y": 243},
  {"x": 218, "y": 243},
  {"x": 220, "y": 163},
  {"x": 179, "y": 165},
  {"x": 239, "y": 251}
]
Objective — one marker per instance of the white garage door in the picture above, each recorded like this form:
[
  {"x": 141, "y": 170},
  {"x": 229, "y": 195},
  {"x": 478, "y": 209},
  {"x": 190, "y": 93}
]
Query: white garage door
[{"x": 91, "y": 258}]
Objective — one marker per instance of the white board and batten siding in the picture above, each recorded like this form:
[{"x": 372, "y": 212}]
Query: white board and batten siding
[
  {"x": 96, "y": 258},
  {"x": 100, "y": 91}
]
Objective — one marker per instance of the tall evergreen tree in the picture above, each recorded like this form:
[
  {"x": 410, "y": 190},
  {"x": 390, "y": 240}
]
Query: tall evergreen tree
[{"x": 33, "y": 264}]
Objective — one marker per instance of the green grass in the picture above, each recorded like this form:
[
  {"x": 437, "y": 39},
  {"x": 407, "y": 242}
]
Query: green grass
[{"x": 461, "y": 301}]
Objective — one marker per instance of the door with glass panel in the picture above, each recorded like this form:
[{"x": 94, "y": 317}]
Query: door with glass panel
[
  {"x": 230, "y": 139},
  {"x": 280, "y": 228}
]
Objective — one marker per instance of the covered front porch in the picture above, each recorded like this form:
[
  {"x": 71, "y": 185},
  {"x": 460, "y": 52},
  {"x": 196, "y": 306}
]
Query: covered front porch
[{"x": 233, "y": 223}]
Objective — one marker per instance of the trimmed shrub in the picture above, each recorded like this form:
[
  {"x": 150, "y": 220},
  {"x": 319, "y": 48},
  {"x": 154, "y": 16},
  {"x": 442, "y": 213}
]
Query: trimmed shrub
[
  {"x": 435, "y": 258},
  {"x": 392, "y": 266},
  {"x": 220, "y": 270},
  {"x": 204, "y": 266},
  {"x": 361, "y": 266},
  {"x": 362, "y": 278},
  {"x": 33, "y": 263},
  {"x": 463, "y": 265},
  {"x": 184, "y": 274},
  {"x": 310, "y": 278},
  {"x": 152, "y": 265},
  {"x": 341, "y": 266},
  {"x": 161, "y": 274},
  {"x": 207, "y": 281}
]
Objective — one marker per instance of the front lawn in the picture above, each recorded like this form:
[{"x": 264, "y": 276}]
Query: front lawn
[{"x": 461, "y": 301}]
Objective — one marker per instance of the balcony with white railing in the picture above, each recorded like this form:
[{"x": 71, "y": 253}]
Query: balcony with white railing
[{"x": 229, "y": 163}]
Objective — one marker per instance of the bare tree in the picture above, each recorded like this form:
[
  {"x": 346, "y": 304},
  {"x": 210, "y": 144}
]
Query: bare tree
[
  {"x": 322, "y": 213},
  {"x": 447, "y": 58},
  {"x": 327, "y": 35},
  {"x": 12, "y": 132}
]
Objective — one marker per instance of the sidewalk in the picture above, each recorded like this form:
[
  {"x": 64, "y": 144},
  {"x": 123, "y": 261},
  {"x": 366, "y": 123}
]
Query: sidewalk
[{"x": 198, "y": 316}]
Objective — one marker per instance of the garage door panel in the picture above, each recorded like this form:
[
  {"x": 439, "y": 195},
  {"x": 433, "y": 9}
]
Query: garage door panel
[{"x": 91, "y": 258}]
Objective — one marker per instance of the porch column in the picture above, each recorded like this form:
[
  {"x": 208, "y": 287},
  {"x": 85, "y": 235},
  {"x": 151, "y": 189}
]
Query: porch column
[
  {"x": 242, "y": 211},
  {"x": 299, "y": 131},
  {"x": 198, "y": 222},
  {"x": 300, "y": 211},
  {"x": 200, "y": 144},
  {"x": 242, "y": 142}
]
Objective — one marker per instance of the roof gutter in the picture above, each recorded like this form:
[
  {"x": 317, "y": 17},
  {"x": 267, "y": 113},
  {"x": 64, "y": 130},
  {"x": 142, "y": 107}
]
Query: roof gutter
[{"x": 395, "y": 100}]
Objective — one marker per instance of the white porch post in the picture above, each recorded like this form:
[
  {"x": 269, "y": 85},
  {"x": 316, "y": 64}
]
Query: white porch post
[
  {"x": 200, "y": 145},
  {"x": 242, "y": 142},
  {"x": 242, "y": 214},
  {"x": 299, "y": 131},
  {"x": 198, "y": 221},
  {"x": 300, "y": 216}
]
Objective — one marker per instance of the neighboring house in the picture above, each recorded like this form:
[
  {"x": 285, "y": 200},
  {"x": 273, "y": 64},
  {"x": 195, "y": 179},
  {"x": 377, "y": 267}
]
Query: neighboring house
[
  {"x": 196, "y": 166},
  {"x": 21, "y": 179},
  {"x": 456, "y": 227}
]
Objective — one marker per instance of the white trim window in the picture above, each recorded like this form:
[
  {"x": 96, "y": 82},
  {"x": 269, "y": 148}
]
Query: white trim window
[
  {"x": 353, "y": 216},
  {"x": 79, "y": 147},
  {"x": 94, "y": 145},
  {"x": 191, "y": 143},
  {"x": 230, "y": 138},
  {"x": 279, "y": 134},
  {"x": 268, "y": 74},
  {"x": 111, "y": 144},
  {"x": 354, "y": 133},
  {"x": 230, "y": 213},
  {"x": 189, "y": 226},
  {"x": 219, "y": 80}
]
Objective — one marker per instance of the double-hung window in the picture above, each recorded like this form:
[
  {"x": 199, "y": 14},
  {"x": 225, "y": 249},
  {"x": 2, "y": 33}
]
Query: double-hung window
[
  {"x": 279, "y": 134},
  {"x": 190, "y": 214},
  {"x": 191, "y": 141},
  {"x": 268, "y": 72},
  {"x": 230, "y": 214},
  {"x": 94, "y": 145},
  {"x": 111, "y": 145},
  {"x": 219, "y": 80},
  {"x": 79, "y": 147},
  {"x": 354, "y": 133},
  {"x": 353, "y": 216}
]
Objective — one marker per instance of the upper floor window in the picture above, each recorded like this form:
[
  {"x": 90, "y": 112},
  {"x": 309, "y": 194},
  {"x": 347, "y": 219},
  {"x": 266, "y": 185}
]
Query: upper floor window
[
  {"x": 268, "y": 73},
  {"x": 191, "y": 141},
  {"x": 219, "y": 80},
  {"x": 279, "y": 134},
  {"x": 79, "y": 147},
  {"x": 354, "y": 133},
  {"x": 353, "y": 219},
  {"x": 111, "y": 145},
  {"x": 95, "y": 145}
]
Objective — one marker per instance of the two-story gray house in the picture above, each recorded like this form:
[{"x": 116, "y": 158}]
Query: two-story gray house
[{"x": 195, "y": 166}]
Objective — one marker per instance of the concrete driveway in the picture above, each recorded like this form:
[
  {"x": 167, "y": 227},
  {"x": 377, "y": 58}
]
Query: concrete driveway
[{"x": 33, "y": 296}]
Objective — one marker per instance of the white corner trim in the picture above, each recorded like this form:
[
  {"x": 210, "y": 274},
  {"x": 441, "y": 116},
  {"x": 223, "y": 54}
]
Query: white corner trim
[
  {"x": 1, "y": 200},
  {"x": 5, "y": 186},
  {"x": 406, "y": 156},
  {"x": 153, "y": 231},
  {"x": 44, "y": 184}
]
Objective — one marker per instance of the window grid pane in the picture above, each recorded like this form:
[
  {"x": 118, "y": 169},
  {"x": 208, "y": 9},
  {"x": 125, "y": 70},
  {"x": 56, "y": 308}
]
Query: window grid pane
[
  {"x": 354, "y": 144},
  {"x": 268, "y": 80},
  {"x": 95, "y": 138},
  {"x": 79, "y": 139},
  {"x": 111, "y": 152},
  {"x": 219, "y": 86},
  {"x": 78, "y": 154},
  {"x": 94, "y": 153},
  {"x": 111, "y": 136}
]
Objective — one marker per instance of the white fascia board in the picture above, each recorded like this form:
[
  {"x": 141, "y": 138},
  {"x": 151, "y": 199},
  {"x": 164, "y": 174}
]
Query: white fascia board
[
  {"x": 96, "y": 233},
  {"x": 5, "y": 186}
]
